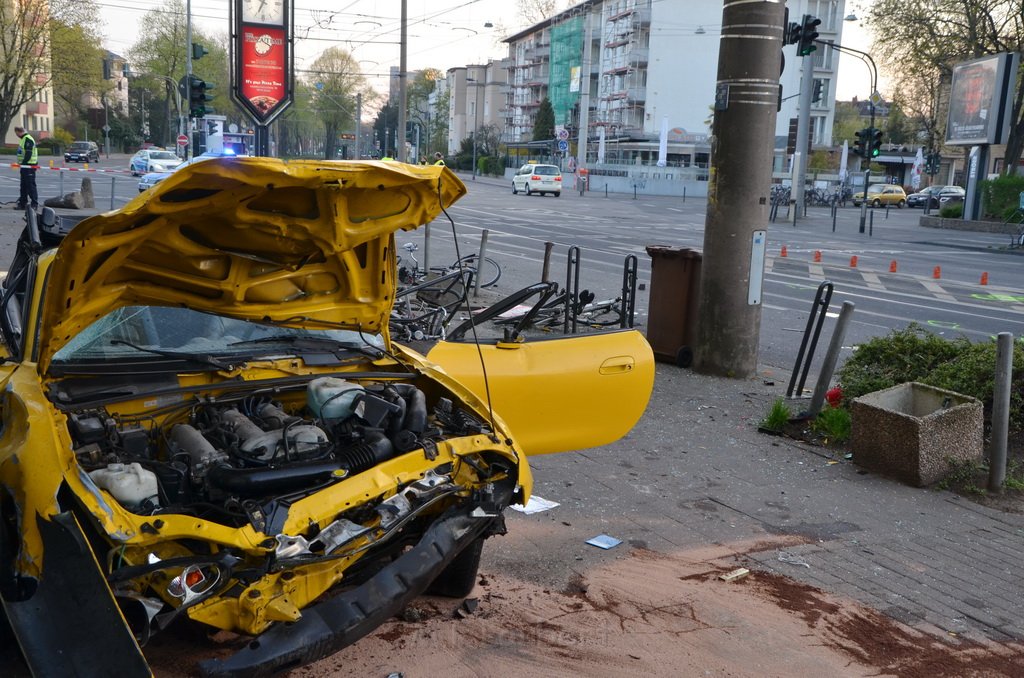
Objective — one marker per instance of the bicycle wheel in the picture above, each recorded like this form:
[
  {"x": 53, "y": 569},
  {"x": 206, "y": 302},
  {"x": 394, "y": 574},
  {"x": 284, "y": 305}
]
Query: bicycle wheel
[{"x": 490, "y": 272}]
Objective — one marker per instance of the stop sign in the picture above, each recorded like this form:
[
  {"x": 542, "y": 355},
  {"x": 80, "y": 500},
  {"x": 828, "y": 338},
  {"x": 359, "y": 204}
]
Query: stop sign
[{"x": 182, "y": 139}]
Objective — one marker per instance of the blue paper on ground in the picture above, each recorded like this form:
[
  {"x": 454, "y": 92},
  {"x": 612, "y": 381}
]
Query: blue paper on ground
[{"x": 603, "y": 541}]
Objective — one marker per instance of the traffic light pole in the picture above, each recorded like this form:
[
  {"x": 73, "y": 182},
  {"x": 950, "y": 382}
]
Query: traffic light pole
[
  {"x": 803, "y": 123},
  {"x": 192, "y": 136}
]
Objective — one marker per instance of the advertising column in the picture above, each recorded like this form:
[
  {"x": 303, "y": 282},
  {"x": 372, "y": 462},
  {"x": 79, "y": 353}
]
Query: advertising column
[{"x": 262, "y": 79}]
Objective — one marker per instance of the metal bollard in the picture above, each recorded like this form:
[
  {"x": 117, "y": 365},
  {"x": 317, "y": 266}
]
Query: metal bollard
[
  {"x": 545, "y": 275},
  {"x": 61, "y": 184},
  {"x": 426, "y": 247},
  {"x": 112, "y": 180},
  {"x": 684, "y": 193},
  {"x": 480, "y": 262},
  {"x": 1000, "y": 411},
  {"x": 606, "y": 189},
  {"x": 871, "y": 226}
]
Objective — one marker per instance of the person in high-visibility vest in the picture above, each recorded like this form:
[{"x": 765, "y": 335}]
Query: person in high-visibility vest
[
  {"x": 438, "y": 158},
  {"x": 28, "y": 158}
]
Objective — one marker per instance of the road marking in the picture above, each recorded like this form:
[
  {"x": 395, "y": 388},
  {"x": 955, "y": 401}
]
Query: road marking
[
  {"x": 936, "y": 290},
  {"x": 872, "y": 281},
  {"x": 815, "y": 271}
]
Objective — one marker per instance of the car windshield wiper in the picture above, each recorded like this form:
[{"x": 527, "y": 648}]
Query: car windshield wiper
[
  {"x": 322, "y": 344},
  {"x": 202, "y": 358}
]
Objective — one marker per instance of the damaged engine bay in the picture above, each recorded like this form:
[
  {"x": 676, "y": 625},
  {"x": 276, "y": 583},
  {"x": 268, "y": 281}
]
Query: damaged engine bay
[{"x": 246, "y": 460}]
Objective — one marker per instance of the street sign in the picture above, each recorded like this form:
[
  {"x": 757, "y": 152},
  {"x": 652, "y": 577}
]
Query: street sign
[
  {"x": 563, "y": 145},
  {"x": 182, "y": 139},
  {"x": 563, "y": 134},
  {"x": 106, "y": 129}
]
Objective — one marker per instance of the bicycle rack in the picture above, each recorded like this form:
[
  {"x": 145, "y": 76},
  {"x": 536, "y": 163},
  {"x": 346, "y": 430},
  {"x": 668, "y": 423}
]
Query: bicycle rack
[
  {"x": 818, "y": 310},
  {"x": 572, "y": 287},
  {"x": 629, "y": 267}
]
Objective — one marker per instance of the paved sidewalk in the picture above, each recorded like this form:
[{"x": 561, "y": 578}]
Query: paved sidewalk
[{"x": 695, "y": 472}]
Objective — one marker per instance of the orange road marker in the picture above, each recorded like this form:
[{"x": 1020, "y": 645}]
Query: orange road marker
[
  {"x": 892, "y": 266},
  {"x": 984, "y": 278},
  {"x": 817, "y": 256},
  {"x": 783, "y": 253},
  {"x": 937, "y": 273},
  {"x": 853, "y": 261}
]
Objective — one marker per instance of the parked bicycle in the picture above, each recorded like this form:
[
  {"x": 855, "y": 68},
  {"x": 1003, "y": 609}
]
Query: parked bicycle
[{"x": 410, "y": 274}]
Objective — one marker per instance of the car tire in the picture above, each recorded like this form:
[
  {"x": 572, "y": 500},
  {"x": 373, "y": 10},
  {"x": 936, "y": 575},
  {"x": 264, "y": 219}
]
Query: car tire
[
  {"x": 515, "y": 191},
  {"x": 558, "y": 194},
  {"x": 458, "y": 579},
  {"x": 900, "y": 204},
  {"x": 876, "y": 203},
  {"x": 528, "y": 191}
]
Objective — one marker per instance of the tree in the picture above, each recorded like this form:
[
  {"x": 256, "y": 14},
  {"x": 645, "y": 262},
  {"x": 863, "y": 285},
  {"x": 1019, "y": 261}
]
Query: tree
[
  {"x": 419, "y": 110},
  {"x": 159, "y": 59},
  {"x": 77, "y": 63},
  {"x": 385, "y": 127},
  {"x": 535, "y": 11},
  {"x": 337, "y": 81},
  {"x": 931, "y": 36},
  {"x": 26, "y": 45},
  {"x": 544, "y": 123},
  {"x": 439, "y": 123}
]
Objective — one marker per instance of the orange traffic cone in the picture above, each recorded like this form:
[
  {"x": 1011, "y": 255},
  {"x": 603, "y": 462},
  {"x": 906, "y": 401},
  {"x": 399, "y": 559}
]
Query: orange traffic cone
[
  {"x": 892, "y": 266},
  {"x": 783, "y": 253},
  {"x": 853, "y": 261},
  {"x": 937, "y": 273},
  {"x": 817, "y": 256},
  {"x": 984, "y": 278}
]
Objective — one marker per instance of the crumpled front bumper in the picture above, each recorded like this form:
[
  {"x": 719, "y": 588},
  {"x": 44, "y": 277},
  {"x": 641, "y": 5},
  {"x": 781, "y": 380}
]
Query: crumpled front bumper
[{"x": 340, "y": 621}]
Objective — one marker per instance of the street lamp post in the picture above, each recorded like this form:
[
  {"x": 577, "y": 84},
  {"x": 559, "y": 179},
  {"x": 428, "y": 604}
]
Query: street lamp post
[
  {"x": 476, "y": 107},
  {"x": 866, "y": 58}
]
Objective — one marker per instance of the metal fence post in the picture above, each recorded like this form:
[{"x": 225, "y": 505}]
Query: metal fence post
[
  {"x": 112, "y": 180},
  {"x": 1000, "y": 411},
  {"x": 480, "y": 262}
]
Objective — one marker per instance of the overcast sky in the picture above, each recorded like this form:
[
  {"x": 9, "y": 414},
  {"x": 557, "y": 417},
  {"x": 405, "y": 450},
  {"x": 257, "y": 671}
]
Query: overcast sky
[{"x": 441, "y": 33}]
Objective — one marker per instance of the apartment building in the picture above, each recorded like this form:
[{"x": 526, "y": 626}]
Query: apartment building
[
  {"x": 643, "y": 66},
  {"x": 479, "y": 97}
]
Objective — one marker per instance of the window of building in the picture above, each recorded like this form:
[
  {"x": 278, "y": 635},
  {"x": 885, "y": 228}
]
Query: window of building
[{"x": 823, "y": 56}]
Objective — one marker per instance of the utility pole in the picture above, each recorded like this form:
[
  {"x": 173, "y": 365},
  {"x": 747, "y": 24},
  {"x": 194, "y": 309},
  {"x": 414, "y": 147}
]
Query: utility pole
[
  {"x": 803, "y": 123},
  {"x": 400, "y": 135},
  {"x": 746, "y": 95},
  {"x": 359, "y": 124},
  {"x": 581, "y": 142},
  {"x": 192, "y": 139}
]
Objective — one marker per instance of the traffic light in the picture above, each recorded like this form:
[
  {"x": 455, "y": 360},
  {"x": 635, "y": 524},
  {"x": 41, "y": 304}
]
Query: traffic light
[
  {"x": 198, "y": 51},
  {"x": 808, "y": 34},
  {"x": 876, "y": 142},
  {"x": 860, "y": 145},
  {"x": 197, "y": 97}
]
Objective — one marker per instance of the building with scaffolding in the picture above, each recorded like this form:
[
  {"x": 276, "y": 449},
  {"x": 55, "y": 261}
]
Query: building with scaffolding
[{"x": 643, "y": 70}]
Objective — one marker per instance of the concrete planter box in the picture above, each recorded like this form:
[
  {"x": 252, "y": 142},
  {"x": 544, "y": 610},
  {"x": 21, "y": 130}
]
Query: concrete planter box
[{"x": 916, "y": 432}]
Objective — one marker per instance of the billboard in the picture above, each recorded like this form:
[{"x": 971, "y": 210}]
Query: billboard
[
  {"x": 979, "y": 101},
  {"x": 262, "y": 74}
]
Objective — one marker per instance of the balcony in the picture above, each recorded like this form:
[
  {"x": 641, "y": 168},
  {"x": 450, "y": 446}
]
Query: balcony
[{"x": 37, "y": 108}]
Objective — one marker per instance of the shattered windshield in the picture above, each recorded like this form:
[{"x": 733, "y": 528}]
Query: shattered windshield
[{"x": 134, "y": 331}]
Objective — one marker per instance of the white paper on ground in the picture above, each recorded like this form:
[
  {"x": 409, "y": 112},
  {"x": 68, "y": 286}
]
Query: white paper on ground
[
  {"x": 535, "y": 504},
  {"x": 603, "y": 541}
]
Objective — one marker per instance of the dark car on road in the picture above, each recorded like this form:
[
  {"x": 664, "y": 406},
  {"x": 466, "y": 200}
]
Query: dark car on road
[
  {"x": 935, "y": 194},
  {"x": 82, "y": 151}
]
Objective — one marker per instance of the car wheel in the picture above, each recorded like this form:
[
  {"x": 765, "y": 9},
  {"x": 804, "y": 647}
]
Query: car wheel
[
  {"x": 876, "y": 203},
  {"x": 901, "y": 203},
  {"x": 558, "y": 194},
  {"x": 458, "y": 579},
  {"x": 528, "y": 191},
  {"x": 515, "y": 191}
]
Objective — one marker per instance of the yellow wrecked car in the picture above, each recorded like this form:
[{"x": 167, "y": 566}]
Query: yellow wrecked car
[{"x": 204, "y": 419}]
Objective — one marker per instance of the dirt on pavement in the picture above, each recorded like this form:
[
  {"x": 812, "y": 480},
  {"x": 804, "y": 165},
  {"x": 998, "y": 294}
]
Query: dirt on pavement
[{"x": 646, "y": 614}]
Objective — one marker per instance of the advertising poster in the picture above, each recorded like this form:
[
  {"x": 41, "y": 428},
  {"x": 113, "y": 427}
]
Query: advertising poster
[
  {"x": 262, "y": 69},
  {"x": 978, "y": 100}
]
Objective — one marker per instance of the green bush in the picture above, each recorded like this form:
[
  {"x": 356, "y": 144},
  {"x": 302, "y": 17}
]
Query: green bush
[
  {"x": 914, "y": 354},
  {"x": 902, "y": 355},
  {"x": 1001, "y": 196},
  {"x": 972, "y": 372},
  {"x": 954, "y": 211}
]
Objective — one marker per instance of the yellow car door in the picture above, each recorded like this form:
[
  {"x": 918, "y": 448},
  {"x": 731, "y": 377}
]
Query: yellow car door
[{"x": 558, "y": 394}]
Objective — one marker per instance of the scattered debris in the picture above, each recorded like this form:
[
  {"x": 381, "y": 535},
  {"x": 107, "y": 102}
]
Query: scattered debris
[
  {"x": 738, "y": 573},
  {"x": 535, "y": 504},
  {"x": 396, "y": 674},
  {"x": 831, "y": 463},
  {"x": 603, "y": 541},
  {"x": 468, "y": 607},
  {"x": 412, "y": 614},
  {"x": 786, "y": 557}
]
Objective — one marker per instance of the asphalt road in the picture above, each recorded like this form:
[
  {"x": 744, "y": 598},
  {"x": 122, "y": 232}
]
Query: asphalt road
[{"x": 607, "y": 229}]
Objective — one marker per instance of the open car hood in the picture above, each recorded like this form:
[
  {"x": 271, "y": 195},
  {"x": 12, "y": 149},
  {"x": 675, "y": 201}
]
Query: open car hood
[{"x": 304, "y": 243}]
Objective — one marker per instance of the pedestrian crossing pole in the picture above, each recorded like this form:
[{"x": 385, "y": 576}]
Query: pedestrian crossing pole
[{"x": 742, "y": 148}]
